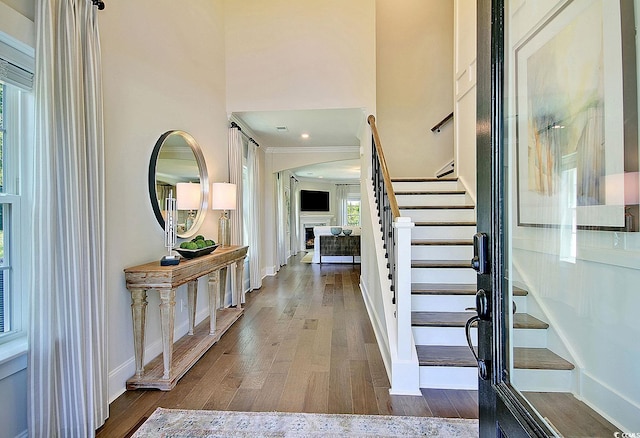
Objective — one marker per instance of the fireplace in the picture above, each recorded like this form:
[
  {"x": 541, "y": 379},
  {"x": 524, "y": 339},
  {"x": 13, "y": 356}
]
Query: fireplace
[
  {"x": 306, "y": 224},
  {"x": 308, "y": 237}
]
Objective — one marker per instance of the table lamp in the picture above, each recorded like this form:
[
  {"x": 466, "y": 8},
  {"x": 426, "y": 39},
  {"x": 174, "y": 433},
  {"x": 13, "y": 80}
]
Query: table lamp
[
  {"x": 223, "y": 197},
  {"x": 188, "y": 198}
]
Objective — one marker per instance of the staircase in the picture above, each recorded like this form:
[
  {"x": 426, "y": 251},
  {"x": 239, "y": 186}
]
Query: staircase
[{"x": 444, "y": 286}]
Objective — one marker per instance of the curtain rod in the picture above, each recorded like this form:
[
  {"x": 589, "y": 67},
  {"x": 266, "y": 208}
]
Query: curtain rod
[
  {"x": 235, "y": 125},
  {"x": 98, "y": 3}
]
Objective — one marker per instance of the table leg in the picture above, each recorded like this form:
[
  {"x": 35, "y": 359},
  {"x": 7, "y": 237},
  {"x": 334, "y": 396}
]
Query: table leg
[
  {"x": 139, "y": 314},
  {"x": 239, "y": 281},
  {"x": 223, "y": 284},
  {"x": 214, "y": 299},
  {"x": 167, "y": 316},
  {"x": 192, "y": 290}
]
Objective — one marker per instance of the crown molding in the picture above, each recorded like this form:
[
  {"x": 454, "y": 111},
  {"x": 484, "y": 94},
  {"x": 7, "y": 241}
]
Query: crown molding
[{"x": 314, "y": 150}]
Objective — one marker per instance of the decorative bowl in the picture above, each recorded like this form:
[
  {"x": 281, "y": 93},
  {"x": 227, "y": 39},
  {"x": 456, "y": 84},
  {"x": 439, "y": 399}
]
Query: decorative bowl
[
  {"x": 192, "y": 253},
  {"x": 336, "y": 231},
  {"x": 347, "y": 232}
]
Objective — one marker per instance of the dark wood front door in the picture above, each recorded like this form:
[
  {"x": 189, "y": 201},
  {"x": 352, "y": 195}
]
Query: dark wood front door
[{"x": 551, "y": 160}]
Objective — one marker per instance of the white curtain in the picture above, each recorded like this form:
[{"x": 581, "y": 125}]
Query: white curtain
[
  {"x": 281, "y": 215},
  {"x": 342, "y": 192},
  {"x": 67, "y": 372},
  {"x": 235, "y": 217},
  {"x": 253, "y": 214},
  {"x": 295, "y": 219}
]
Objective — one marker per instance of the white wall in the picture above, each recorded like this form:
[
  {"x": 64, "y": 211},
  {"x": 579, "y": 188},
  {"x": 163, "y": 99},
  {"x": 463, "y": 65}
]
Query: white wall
[
  {"x": 414, "y": 84},
  {"x": 300, "y": 54},
  {"x": 163, "y": 67},
  {"x": 464, "y": 83}
]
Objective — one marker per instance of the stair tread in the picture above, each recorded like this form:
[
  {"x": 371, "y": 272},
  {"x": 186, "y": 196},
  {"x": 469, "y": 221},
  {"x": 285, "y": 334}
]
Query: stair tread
[
  {"x": 460, "y": 356},
  {"x": 458, "y": 319},
  {"x": 418, "y": 179},
  {"x": 446, "y": 224},
  {"x": 428, "y": 242},
  {"x": 443, "y": 289},
  {"x": 429, "y": 192},
  {"x": 453, "y": 289},
  {"x": 437, "y": 207},
  {"x": 570, "y": 416},
  {"x": 441, "y": 264}
]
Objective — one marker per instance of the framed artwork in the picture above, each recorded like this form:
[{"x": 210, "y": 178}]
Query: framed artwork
[{"x": 576, "y": 130}]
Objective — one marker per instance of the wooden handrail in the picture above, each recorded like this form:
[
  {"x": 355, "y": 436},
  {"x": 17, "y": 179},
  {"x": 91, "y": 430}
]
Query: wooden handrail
[
  {"x": 442, "y": 123},
  {"x": 393, "y": 203}
]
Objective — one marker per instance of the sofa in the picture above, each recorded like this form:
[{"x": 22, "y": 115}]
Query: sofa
[{"x": 326, "y": 231}]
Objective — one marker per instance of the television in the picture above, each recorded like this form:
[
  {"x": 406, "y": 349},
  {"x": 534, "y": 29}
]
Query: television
[{"x": 314, "y": 200}]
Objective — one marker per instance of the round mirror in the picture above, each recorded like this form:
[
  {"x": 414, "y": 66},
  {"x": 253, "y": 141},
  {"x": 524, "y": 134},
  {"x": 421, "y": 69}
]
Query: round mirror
[{"x": 177, "y": 166}]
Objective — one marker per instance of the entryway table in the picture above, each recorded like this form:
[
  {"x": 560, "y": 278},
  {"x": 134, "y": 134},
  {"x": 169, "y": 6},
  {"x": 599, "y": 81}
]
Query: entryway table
[{"x": 164, "y": 371}]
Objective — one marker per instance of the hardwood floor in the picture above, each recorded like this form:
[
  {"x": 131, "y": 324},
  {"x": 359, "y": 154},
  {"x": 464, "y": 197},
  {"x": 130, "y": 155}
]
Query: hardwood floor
[{"x": 304, "y": 344}]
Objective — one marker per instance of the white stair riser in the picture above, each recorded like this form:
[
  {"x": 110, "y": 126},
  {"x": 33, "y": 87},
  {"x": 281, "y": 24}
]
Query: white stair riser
[
  {"x": 422, "y": 200},
  {"x": 448, "y": 377},
  {"x": 451, "y": 303},
  {"x": 443, "y": 275},
  {"x": 424, "y": 186},
  {"x": 535, "y": 338},
  {"x": 440, "y": 215},
  {"x": 443, "y": 336},
  {"x": 441, "y": 252},
  {"x": 542, "y": 380},
  {"x": 443, "y": 232},
  {"x": 530, "y": 338}
]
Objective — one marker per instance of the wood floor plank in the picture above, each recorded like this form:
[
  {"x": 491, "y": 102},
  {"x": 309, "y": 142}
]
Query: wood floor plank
[
  {"x": 317, "y": 394},
  {"x": 439, "y": 404},
  {"x": 465, "y": 403},
  {"x": 268, "y": 398},
  {"x": 362, "y": 393}
]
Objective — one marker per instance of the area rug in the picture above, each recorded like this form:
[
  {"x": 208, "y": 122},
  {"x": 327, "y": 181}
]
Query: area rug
[
  {"x": 308, "y": 258},
  {"x": 177, "y": 423}
]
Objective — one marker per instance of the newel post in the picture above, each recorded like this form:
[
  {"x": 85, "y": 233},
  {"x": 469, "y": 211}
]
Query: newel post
[{"x": 403, "y": 226}]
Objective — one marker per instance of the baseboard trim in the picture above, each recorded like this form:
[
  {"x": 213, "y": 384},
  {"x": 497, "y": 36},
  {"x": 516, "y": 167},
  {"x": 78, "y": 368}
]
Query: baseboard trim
[
  {"x": 609, "y": 403},
  {"x": 383, "y": 346}
]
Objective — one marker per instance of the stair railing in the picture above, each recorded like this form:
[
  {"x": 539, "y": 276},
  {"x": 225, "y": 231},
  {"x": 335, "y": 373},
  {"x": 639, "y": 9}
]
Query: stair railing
[{"x": 396, "y": 232}]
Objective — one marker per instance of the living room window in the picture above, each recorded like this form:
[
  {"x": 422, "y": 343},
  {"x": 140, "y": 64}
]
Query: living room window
[
  {"x": 353, "y": 211},
  {"x": 16, "y": 126}
]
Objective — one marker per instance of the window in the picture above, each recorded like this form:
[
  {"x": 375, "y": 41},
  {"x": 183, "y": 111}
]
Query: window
[
  {"x": 10, "y": 299},
  {"x": 16, "y": 128},
  {"x": 353, "y": 211}
]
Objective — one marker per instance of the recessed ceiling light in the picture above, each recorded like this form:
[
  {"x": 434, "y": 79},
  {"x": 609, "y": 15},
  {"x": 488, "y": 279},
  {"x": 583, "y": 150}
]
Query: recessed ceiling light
[{"x": 305, "y": 135}]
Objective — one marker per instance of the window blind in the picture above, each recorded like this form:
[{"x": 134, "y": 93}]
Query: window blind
[{"x": 16, "y": 67}]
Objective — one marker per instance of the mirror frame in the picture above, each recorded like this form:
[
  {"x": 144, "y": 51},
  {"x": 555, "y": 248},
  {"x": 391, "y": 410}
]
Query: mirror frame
[{"x": 204, "y": 181}]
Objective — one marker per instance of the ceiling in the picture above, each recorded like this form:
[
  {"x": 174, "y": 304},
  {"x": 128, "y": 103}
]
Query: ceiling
[{"x": 328, "y": 128}]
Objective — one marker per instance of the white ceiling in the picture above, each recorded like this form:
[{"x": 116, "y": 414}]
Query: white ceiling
[
  {"x": 333, "y": 128},
  {"x": 345, "y": 170}
]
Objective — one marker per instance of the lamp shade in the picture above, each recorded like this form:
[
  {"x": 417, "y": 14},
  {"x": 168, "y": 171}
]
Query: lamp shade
[
  {"x": 188, "y": 196},
  {"x": 223, "y": 196}
]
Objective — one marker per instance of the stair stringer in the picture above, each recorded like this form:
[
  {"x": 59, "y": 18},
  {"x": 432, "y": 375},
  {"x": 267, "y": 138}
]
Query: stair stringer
[{"x": 404, "y": 375}]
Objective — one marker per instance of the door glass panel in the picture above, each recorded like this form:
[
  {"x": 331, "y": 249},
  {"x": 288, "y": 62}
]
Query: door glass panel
[{"x": 572, "y": 263}]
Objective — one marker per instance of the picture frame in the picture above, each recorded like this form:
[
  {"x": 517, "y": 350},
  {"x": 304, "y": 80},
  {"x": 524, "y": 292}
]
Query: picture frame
[{"x": 577, "y": 124}]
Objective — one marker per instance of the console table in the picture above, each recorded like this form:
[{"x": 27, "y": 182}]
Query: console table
[
  {"x": 339, "y": 246},
  {"x": 164, "y": 371}
]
